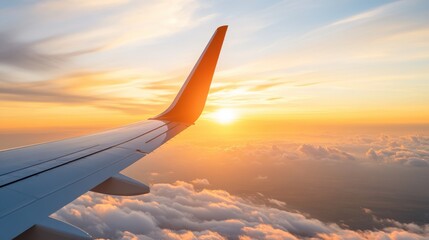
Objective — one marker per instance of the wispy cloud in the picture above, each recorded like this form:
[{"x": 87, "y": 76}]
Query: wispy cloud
[
  {"x": 131, "y": 22},
  {"x": 282, "y": 57},
  {"x": 25, "y": 55},
  {"x": 80, "y": 88},
  {"x": 62, "y": 33}
]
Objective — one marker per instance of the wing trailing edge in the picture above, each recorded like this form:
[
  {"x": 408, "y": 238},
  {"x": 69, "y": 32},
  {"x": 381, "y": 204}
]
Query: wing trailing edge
[{"x": 190, "y": 101}]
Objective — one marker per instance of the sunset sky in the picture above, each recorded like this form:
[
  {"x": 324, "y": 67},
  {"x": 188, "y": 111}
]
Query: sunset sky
[
  {"x": 317, "y": 118},
  {"x": 105, "y": 63}
]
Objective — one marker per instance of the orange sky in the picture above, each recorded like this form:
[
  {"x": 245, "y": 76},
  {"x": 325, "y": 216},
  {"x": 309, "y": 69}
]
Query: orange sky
[{"x": 360, "y": 64}]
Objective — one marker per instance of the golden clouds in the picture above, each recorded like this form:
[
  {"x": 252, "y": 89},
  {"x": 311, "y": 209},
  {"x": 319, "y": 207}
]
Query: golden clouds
[{"x": 180, "y": 211}]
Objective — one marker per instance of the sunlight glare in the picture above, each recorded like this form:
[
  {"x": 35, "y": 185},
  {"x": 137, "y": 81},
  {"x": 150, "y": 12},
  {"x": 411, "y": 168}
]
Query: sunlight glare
[{"x": 225, "y": 115}]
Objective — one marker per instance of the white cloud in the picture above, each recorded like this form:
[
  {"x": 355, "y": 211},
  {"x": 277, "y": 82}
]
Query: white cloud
[
  {"x": 50, "y": 31},
  {"x": 392, "y": 234},
  {"x": 410, "y": 151},
  {"x": 200, "y": 182},
  {"x": 407, "y": 150},
  {"x": 179, "y": 211},
  {"x": 277, "y": 202},
  {"x": 320, "y": 152},
  {"x": 264, "y": 231}
]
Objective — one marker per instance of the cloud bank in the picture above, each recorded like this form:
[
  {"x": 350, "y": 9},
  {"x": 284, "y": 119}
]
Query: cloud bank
[
  {"x": 180, "y": 211},
  {"x": 411, "y": 151},
  {"x": 407, "y": 150}
]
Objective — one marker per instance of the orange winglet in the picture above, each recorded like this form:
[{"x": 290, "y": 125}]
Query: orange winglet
[{"x": 190, "y": 101}]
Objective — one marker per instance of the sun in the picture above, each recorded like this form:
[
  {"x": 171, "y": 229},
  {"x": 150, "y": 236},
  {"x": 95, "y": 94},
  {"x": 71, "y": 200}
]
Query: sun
[{"x": 225, "y": 115}]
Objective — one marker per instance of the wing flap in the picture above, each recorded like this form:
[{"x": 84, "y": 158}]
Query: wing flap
[{"x": 12, "y": 200}]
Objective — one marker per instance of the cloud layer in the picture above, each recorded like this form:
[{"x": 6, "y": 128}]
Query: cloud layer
[
  {"x": 182, "y": 211},
  {"x": 412, "y": 150},
  {"x": 407, "y": 150}
]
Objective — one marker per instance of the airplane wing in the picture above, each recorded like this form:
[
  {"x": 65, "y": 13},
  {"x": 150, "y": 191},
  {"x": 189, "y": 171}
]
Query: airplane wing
[{"x": 37, "y": 180}]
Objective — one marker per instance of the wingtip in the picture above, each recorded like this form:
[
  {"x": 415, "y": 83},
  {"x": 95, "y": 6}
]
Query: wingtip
[
  {"x": 190, "y": 101},
  {"x": 223, "y": 27}
]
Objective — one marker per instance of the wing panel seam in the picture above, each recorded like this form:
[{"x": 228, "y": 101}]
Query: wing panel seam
[{"x": 80, "y": 158}]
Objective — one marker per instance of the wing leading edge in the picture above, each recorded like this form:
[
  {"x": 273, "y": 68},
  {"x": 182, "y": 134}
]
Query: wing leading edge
[{"x": 37, "y": 180}]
